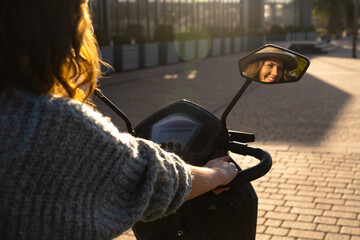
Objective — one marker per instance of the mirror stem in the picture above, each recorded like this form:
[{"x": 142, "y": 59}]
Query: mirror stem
[
  {"x": 103, "y": 98},
  {"x": 232, "y": 103}
]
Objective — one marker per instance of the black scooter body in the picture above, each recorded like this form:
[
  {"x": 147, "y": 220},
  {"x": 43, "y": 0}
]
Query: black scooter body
[
  {"x": 199, "y": 137},
  {"x": 229, "y": 216}
]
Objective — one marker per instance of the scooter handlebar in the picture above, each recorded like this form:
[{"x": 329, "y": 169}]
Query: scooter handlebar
[{"x": 253, "y": 172}]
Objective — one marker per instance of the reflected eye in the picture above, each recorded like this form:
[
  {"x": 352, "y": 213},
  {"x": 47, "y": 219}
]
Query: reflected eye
[{"x": 271, "y": 66}]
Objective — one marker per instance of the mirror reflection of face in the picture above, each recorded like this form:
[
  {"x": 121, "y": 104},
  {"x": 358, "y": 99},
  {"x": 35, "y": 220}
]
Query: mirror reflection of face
[{"x": 272, "y": 70}]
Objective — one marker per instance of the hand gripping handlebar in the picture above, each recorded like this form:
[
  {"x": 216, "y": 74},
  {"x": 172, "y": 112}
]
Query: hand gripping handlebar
[{"x": 253, "y": 172}]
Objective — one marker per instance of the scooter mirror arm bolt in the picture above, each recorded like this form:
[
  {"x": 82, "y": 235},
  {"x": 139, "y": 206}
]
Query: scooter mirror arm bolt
[
  {"x": 212, "y": 207},
  {"x": 180, "y": 233}
]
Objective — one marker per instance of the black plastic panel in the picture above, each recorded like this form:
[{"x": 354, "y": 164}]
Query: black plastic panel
[
  {"x": 202, "y": 130},
  {"x": 228, "y": 216}
]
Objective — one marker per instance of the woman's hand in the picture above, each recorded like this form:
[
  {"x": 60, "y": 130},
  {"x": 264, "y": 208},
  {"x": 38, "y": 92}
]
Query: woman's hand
[
  {"x": 228, "y": 169},
  {"x": 215, "y": 173},
  {"x": 225, "y": 168}
]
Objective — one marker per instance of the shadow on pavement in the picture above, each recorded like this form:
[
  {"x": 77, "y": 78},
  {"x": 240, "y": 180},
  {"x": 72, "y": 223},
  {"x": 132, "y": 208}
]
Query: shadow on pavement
[{"x": 300, "y": 112}]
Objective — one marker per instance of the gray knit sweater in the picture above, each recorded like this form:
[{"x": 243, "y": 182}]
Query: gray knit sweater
[{"x": 67, "y": 173}]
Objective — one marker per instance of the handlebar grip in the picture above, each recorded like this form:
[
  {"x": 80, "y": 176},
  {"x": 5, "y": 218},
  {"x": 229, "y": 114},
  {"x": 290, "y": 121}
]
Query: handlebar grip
[{"x": 253, "y": 172}]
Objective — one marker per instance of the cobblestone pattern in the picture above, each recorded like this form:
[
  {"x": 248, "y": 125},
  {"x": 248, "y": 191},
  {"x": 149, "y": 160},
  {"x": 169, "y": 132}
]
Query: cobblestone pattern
[{"x": 309, "y": 195}]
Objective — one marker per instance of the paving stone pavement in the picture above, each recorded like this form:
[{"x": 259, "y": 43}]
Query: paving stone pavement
[{"x": 311, "y": 129}]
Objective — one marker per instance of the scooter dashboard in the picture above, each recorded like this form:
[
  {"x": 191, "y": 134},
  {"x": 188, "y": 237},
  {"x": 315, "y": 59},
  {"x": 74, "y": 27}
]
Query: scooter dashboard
[
  {"x": 183, "y": 128},
  {"x": 174, "y": 132}
]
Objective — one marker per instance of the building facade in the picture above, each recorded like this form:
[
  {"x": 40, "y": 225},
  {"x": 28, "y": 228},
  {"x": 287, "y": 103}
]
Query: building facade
[
  {"x": 286, "y": 13},
  {"x": 140, "y": 18}
]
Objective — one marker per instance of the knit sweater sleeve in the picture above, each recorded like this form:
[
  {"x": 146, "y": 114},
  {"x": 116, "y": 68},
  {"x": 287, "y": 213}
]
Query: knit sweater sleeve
[
  {"x": 144, "y": 181},
  {"x": 66, "y": 172}
]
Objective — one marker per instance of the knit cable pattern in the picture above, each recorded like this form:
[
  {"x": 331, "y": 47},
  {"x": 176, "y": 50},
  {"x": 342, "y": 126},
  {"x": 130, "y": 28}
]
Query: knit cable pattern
[{"x": 66, "y": 172}]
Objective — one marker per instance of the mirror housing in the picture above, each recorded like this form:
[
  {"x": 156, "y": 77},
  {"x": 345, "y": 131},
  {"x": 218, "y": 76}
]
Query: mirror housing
[{"x": 272, "y": 64}]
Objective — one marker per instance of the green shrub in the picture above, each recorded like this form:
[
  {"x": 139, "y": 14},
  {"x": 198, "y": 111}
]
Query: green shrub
[
  {"x": 276, "y": 29},
  {"x": 289, "y": 29},
  {"x": 310, "y": 29},
  {"x": 184, "y": 36},
  {"x": 294, "y": 29},
  {"x": 256, "y": 32},
  {"x": 121, "y": 40},
  {"x": 134, "y": 31},
  {"x": 238, "y": 31},
  {"x": 214, "y": 32},
  {"x": 143, "y": 40},
  {"x": 200, "y": 33},
  {"x": 164, "y": 33},
  {"x": 193, "y": 34}
]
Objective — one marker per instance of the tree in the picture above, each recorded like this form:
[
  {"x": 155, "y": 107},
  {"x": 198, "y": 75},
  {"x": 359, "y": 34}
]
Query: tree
[{"x": 338, "y": 14}]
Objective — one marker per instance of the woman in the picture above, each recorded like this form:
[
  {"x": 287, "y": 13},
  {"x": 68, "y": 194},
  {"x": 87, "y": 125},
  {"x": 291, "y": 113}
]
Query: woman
[
  {"x": 65, "y": 170},
  {"x": 269, "y": 65}
]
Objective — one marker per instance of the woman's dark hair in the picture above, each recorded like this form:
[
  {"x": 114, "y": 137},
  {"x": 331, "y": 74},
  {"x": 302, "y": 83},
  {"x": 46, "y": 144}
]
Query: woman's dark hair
[
  {"x": 48, "y": 46},
  {"x": 253, "y": 69}
]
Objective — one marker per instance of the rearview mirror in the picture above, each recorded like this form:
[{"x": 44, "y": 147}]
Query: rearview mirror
[{"x": 273, "y": 64}]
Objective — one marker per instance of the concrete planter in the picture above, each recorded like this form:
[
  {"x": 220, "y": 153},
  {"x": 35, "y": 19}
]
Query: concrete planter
[
  {"x": 149, "y": 55},
  {"x": 215, "y": 47},
  {"x": 226, "y": 45},
  {"x": 126, "y": 57},
  {"x": 203, "y": 48},
  {"x": 168, "y": 53},
  {"x": 288, "y": 37},
  {"x": 107, "y": 55},
  {"x": 299, "y": 36},
  {"x": 236, "y": 46},
  {"x": 245, "y": 43},
  {"x": 312, "y": 36},
  {"x": 291, "y": 36},
  {"x": 187, "y": 50}
]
